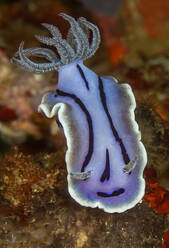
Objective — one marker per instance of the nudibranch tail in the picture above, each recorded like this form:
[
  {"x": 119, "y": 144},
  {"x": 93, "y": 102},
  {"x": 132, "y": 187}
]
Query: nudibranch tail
[
  {"x": 75, "y": 47},
  {"x": 105, "y": 157}
]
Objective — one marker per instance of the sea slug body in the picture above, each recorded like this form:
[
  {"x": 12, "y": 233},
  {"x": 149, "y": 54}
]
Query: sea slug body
[{"x": 105, "y": 157}]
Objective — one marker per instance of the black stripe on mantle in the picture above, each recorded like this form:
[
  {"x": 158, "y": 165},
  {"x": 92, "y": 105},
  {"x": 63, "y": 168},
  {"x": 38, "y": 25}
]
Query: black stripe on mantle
[
  {"x": 115, "y": 133},
  {"x": 83, "y": 76},
  {"x": 106, "y": 173},
  {"x": 90, "y": 125},
  {"x": 114, "y": 193}
]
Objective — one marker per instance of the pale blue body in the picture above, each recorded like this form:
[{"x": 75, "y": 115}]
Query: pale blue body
[{"x": 120, "y": 105}]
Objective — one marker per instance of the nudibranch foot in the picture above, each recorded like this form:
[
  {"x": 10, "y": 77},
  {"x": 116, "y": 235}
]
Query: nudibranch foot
[{"x": 105, "y": 157}]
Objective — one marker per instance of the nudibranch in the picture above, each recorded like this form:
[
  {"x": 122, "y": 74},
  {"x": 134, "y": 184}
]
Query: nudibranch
[{"x": 105, "y": 157}]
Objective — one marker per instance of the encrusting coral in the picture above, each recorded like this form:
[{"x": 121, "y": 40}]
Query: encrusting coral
[{"x": 22, "y": 175}]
